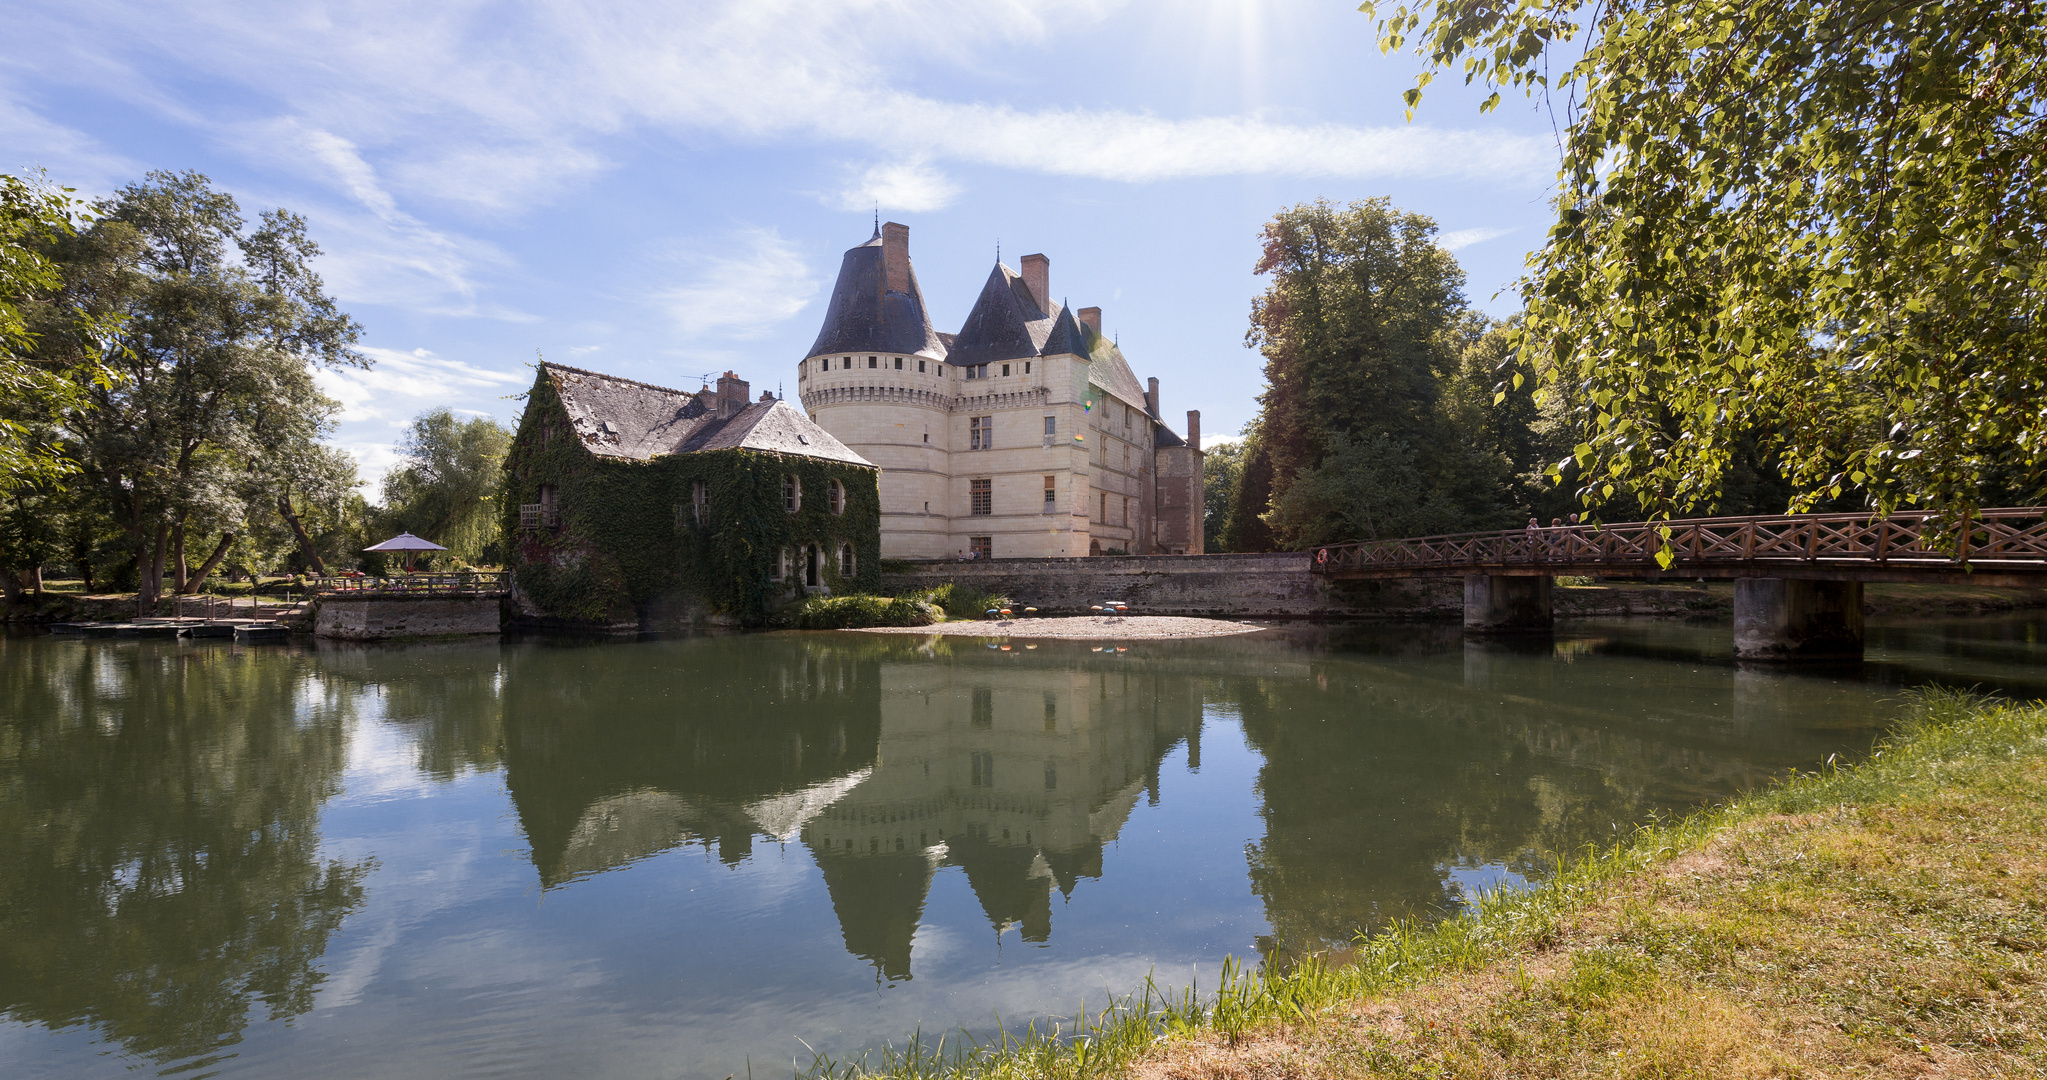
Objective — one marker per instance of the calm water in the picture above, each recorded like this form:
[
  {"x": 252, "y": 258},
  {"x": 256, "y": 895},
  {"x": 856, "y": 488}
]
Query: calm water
[{"x": 676, "y": 858}]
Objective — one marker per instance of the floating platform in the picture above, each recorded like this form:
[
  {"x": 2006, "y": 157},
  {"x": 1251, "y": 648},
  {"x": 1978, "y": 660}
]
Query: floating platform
[
  {"x": 211, "y": 630},
  {"x": 148, "y": 629},
  {"x": 261, "y": 634},
  {"x": 67, "y": 627}
]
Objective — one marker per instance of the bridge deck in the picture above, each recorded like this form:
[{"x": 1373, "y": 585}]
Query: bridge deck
[{"x": 2005, "y": 546}]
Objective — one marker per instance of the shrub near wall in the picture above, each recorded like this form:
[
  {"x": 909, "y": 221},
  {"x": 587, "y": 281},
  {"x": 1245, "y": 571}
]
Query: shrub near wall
[{"x": 630, "y": 538}]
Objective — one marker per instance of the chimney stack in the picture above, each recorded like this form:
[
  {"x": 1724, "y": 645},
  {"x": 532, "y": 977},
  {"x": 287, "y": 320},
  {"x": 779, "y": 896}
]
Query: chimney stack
[
  {"x": 1037, "y": 274},
  {"x": 1194, "y": 428},
  {"x": 1151, "y": 397},
  {"x": 1092, "y": 316},
  {"x": 732, "y": 394},
  {"x": 895, "y": 257}
]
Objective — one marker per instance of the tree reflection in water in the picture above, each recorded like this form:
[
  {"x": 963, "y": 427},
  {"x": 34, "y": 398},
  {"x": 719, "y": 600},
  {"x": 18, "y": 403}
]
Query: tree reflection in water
[{"x": 158, "y": 829}]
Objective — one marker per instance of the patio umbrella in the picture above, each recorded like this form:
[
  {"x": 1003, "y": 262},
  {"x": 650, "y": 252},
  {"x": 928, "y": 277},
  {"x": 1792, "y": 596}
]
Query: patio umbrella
[{"x": 409, "y": 544}]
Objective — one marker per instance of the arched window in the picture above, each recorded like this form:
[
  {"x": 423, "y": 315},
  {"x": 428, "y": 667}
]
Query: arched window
[
  {"x": 838, "y": 497},
  {"x": 845, "y": 560},
  {"x": 792, "y": 493}
]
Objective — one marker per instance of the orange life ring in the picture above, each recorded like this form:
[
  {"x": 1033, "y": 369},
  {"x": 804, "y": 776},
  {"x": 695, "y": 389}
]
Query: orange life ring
[{"x": 1322, "y": 556}]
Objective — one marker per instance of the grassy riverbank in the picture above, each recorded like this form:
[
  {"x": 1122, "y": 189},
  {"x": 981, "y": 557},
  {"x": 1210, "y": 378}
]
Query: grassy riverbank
[{"x": 1884, "y": 919}]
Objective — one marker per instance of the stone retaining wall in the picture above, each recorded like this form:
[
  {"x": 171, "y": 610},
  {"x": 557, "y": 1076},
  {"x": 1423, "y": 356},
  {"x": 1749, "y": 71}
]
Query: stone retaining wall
[
  {"x": 384, "y": 618},
  {"x": 1275, "y": 586}
]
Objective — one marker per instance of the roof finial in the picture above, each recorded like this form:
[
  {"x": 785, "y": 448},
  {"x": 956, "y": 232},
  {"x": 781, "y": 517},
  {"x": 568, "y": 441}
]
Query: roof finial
[
  {"x": 998, "y": 251},
  {"x": 877, "y": 220}
]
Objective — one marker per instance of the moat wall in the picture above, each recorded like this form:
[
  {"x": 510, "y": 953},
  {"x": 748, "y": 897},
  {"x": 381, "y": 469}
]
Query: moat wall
[
  {"x": 385, "y": 618},
  {"x": 1218, "y": 586}
]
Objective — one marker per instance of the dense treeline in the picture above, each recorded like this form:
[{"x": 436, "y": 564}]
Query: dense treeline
[
  {"x": 160, "y": 422},
  {"x": 1392, "y": 408}
]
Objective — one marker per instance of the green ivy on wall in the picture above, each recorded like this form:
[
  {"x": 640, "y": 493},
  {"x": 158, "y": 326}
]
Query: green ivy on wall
[{"x": 631, "y": 538}]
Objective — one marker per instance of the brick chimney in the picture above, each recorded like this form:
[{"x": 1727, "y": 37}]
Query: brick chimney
[
  {"x": 1092, "y": 316},
  {"x": 732, "y": 394},
  {"x": 895, "y": 257},
  {"x": 1151, "y": 397},
  {"x": 1194, "y": 428},
  {"x": 1037, "y": 273}
]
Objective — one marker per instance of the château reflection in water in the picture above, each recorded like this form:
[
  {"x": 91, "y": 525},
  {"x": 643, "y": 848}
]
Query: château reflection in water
[
  {"x": 888, "y": 760},
  {"x": 162, "y": 803}
]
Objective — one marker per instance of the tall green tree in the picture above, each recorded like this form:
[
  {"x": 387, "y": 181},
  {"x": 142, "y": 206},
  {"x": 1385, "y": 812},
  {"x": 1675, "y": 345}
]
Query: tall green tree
[
  {"x": 448, "y": 488},
  {"x": 1222, "y": 466},
  {"x": 220, "y": 330},
  {"x": 1359, "y": 330},
  {"x": 1817, "y": 227},
  {"x": 37, "y": 389}
]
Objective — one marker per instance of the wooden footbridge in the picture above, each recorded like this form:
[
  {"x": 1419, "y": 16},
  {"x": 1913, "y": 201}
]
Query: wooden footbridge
[
  {"x": 1798, "y": 578},
  {"x": 1995, "y": 547}
]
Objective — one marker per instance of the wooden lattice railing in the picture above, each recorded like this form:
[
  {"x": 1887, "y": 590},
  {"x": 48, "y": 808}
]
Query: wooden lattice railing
[
  {"x": 468, "y": 583},
  {"x": 2007, "y": 539}
]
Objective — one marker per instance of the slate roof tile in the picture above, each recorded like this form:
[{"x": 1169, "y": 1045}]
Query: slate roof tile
[{"x": 622, "y": 418}]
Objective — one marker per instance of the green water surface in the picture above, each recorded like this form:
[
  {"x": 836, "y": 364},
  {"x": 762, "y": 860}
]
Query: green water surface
[{"x": 693, "y": 857}]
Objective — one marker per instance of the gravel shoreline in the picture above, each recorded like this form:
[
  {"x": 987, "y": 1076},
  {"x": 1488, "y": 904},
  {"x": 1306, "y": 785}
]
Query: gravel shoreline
[{"x": 1081, "y": 627}]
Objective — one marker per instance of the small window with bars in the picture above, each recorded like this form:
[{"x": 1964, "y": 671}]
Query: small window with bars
[
  {"x": 983, "y": 547},
  {"x": 981, "y": 496},
  {"x": 1051, "y": 493},
  {"x": 981, "y": 433}
]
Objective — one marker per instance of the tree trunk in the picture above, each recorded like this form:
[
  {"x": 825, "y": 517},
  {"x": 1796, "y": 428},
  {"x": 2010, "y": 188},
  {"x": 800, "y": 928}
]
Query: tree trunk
[
  {"x": 10, "y": 586},
  {"x": 306, "y": 548},
  {"x": 199, "y": 576},
  {"x": 178, "y": 570},
  {"x": 33, "y": 581},
  {"x": 149, "y": 585}
]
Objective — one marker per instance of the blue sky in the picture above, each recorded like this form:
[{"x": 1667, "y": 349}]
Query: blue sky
[{"x": 662, "y": 190}]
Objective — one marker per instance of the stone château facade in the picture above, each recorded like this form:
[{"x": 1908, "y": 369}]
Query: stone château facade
[{"x": 1025, "y": 434}]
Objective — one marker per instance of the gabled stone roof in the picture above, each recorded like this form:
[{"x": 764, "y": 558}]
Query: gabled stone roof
[
  {"x": 1005, "y": 324},
  {"x": 1111, "y": 372},
  {"x": 639, "y": 421},
  {"x": 863, "y": 316},
  {"x": 775, "y": 427}
]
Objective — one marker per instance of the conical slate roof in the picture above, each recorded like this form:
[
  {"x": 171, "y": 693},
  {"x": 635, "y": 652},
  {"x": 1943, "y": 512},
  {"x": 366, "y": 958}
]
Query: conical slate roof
[
  {"x": 865, "y": 317},
  {"x": 1006, "y": 323}
]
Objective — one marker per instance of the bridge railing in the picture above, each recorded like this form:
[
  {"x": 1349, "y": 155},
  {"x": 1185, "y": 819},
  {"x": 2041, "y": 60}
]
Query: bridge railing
[
  {"x": 468, "y": 583},
  {"x": 2015, "y": 535}
]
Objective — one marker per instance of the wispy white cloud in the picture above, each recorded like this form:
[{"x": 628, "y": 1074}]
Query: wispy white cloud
[
  {"x": 742, "y": 295},
  {"x": 913, "y": 186},
  {"x": 378, "y": 403},
  {"x": 1464, "y": 238},
  {"x": 497, "y": 108}
]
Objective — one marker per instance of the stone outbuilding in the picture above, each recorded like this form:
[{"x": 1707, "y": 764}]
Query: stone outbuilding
[{"x": 634, "y": 505}]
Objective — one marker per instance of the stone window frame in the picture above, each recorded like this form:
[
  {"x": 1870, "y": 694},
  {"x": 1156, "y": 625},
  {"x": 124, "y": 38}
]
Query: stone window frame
[
  {"x": 835, "y": 498},
  {"x": 981, "y": 432},
  {"x": 981, "y": 496},
  {"x": 981, "y": 547},
  {"x": 848, "y": 559},
  {"x": 920, "y": 367},
  {"x": 1051, "y": 494},
  {"x": 792, "y": 493},
  {"x": 873, "y": 362}
]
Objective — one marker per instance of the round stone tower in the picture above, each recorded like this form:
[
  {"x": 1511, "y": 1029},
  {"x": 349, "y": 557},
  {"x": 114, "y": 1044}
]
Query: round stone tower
[{"x": 876, "y": 377}]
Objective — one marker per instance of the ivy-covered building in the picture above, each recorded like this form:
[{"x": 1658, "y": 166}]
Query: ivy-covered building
[{"x": 636, "y": 505}]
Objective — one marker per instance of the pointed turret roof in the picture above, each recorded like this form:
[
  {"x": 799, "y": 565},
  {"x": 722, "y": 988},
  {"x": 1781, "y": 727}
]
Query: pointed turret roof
[
  {"x": 865, "y": 316},
  {"x": 1067, "y": 335},
  {"x": 1006, "y": 324}
]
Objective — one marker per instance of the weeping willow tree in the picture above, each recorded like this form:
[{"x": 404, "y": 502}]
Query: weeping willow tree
[
  {"x": 447, "y": 490},
  {"x": 1823, "y": 221}
]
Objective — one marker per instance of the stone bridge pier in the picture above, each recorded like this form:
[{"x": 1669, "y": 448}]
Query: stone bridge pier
[
  {"x": 1782, "y": 619},
  {"x": 1507, "y": 604}
]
